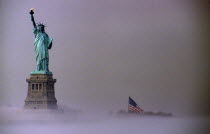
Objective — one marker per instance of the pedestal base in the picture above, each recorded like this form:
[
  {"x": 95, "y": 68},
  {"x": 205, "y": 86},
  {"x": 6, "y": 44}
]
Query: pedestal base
[{"x": 41, "y": 92}]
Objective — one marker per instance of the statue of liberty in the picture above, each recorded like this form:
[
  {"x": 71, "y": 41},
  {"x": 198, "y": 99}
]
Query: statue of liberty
[{"x": 41, "y": 45}]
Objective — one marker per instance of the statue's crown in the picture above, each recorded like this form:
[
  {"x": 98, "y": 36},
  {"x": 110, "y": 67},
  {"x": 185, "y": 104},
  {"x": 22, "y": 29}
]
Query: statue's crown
[{"x": 41, "y": 24}]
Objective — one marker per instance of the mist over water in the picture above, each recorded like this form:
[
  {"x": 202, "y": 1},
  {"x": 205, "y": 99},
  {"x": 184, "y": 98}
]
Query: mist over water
[
  {"x": 16, "y": 121},
  {"x": 104, "y": 51}
]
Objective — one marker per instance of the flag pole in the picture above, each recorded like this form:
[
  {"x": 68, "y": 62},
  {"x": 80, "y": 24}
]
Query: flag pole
[{"x": 128, "y": 104}]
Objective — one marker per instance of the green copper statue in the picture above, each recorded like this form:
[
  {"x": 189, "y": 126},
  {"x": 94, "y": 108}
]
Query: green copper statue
[{"x": 41, "y": 45}]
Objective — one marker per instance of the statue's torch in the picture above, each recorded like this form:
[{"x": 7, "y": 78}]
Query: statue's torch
[{"x": 31, "y": 11}]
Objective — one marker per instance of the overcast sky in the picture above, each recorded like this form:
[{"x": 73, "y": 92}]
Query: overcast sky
[{"x": 106, "y": 50}]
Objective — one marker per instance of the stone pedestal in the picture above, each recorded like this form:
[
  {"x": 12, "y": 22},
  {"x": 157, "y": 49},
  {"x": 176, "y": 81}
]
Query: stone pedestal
[{"x": 41, "y": 92}]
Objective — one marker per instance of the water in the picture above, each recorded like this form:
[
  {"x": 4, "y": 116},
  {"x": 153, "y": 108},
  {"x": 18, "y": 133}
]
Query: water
[{"x": 19, "y": 122}]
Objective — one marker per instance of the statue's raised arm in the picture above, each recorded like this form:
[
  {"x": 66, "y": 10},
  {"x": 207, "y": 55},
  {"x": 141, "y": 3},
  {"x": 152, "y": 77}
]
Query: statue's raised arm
[{"x": 32, "y": 17}]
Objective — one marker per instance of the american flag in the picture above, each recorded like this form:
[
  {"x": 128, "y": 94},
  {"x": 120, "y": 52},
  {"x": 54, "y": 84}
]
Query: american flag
[{"x": 133, "y": 107}]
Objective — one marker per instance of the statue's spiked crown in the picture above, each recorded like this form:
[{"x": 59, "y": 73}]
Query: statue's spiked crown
[{"x": 41, "y": 25}]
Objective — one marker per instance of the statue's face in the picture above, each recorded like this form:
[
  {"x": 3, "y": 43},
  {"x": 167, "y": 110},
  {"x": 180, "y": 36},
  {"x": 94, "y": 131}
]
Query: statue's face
[{"x": 41, "y": 28}]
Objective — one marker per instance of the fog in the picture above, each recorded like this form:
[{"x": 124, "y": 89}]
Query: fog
[
  {"x": 155, "y": 51},
  {"x": 112, "y": 126},
  {"x": 19, "y": 121}
]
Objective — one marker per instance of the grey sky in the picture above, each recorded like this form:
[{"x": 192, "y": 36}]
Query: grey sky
[{"x": 106, "y": 50}]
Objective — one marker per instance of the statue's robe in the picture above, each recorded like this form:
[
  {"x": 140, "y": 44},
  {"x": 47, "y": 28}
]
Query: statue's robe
[{"x": 41, "y": 45}]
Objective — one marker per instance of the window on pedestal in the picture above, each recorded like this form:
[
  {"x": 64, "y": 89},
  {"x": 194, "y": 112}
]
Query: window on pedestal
[
  {"x": 36, "y": 86},
  {"x": 32, "y": 86}
]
